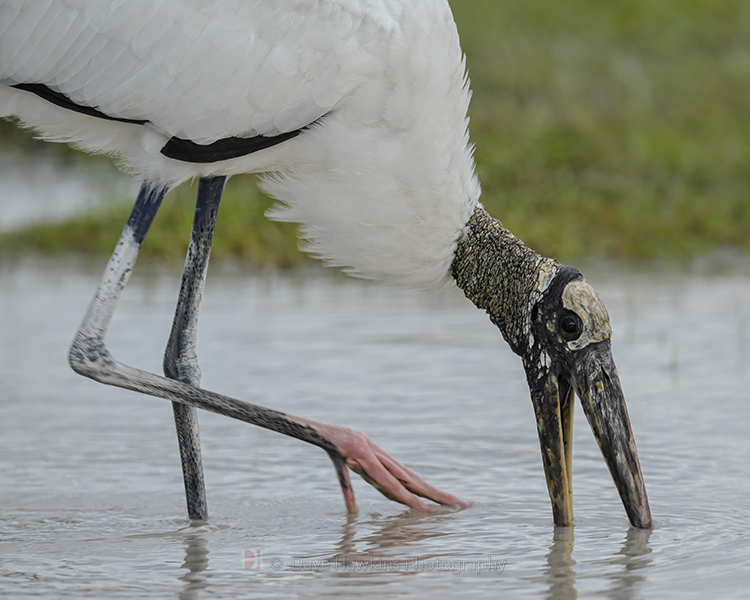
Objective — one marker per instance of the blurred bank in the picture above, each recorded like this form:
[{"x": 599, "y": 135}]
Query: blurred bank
[{"x": 602, "y": 130}]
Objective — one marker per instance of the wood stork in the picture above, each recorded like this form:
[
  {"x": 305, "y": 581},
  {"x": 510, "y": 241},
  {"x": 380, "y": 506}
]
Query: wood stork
[{"x": 358, "y": 109}]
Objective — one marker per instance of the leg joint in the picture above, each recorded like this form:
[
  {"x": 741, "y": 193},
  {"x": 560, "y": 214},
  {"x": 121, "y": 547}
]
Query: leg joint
[{"x": 88, "y": 356}]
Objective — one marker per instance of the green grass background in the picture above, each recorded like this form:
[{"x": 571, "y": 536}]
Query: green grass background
[{"x": 615, "y": 129}]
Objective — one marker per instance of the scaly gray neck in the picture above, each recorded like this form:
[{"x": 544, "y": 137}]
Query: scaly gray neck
[{"x": 499, "y": 274}]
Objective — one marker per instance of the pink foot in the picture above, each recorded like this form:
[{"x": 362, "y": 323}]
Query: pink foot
[{"x": 378, "y": 468}]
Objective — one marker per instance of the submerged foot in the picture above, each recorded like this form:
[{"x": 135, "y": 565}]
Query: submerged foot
[{"x": 379, "y": 469}]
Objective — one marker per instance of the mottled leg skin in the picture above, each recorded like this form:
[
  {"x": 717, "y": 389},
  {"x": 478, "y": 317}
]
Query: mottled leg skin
[
  {"x": 89, "y": 356},
  {"x": 181, "y": 355}
]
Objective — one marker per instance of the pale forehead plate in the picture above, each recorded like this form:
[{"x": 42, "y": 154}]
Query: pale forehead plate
[{"x": 583, "y": 300}]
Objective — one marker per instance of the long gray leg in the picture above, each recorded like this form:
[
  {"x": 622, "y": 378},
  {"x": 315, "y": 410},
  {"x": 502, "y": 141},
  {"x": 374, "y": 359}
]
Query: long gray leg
[
  {"x": 181, "y": 357},
  {"x": 89, "y": 356},
  {"x": 88, "y": 345}
]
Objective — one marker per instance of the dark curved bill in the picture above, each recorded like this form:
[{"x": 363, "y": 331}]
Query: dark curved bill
[
  {"x": 595, "y": 379},
  {"x": 553, "y": 407},
  {"x": 603, "y": 402}
]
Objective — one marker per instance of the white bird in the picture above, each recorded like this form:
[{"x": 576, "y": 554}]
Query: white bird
[{"x": 358, "y": 110}]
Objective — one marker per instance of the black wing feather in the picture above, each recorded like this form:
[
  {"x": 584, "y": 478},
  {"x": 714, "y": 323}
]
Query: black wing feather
[{"x": 176, "y": 148}]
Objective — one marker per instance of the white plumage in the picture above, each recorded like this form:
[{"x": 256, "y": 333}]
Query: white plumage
[
  {"x": 382, "y": 184},
  {"x": 357, "y": 108}
]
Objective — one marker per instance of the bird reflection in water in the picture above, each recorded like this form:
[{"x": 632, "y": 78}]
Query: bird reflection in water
[{"x": 632, "y": 558}]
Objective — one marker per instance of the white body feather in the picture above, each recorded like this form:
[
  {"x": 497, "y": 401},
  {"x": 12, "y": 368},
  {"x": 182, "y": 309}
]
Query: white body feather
[{"x": 383, "y": 185}]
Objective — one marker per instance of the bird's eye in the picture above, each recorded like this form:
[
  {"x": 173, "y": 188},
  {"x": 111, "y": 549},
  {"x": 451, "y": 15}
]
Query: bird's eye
[{"x": 570, "y": 325}]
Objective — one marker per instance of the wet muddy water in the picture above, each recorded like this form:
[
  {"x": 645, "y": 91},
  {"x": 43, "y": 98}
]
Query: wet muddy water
[{"x": 91, "y": 501}]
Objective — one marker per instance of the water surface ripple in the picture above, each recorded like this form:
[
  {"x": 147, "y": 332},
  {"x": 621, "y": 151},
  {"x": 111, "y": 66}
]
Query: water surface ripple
[{"x": 91, "y": 501}]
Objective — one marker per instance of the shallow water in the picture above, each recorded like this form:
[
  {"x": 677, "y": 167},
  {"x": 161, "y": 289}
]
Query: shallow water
[
  {"x": 91, "y": 493},
  {"x": 48, "y": 189}
]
